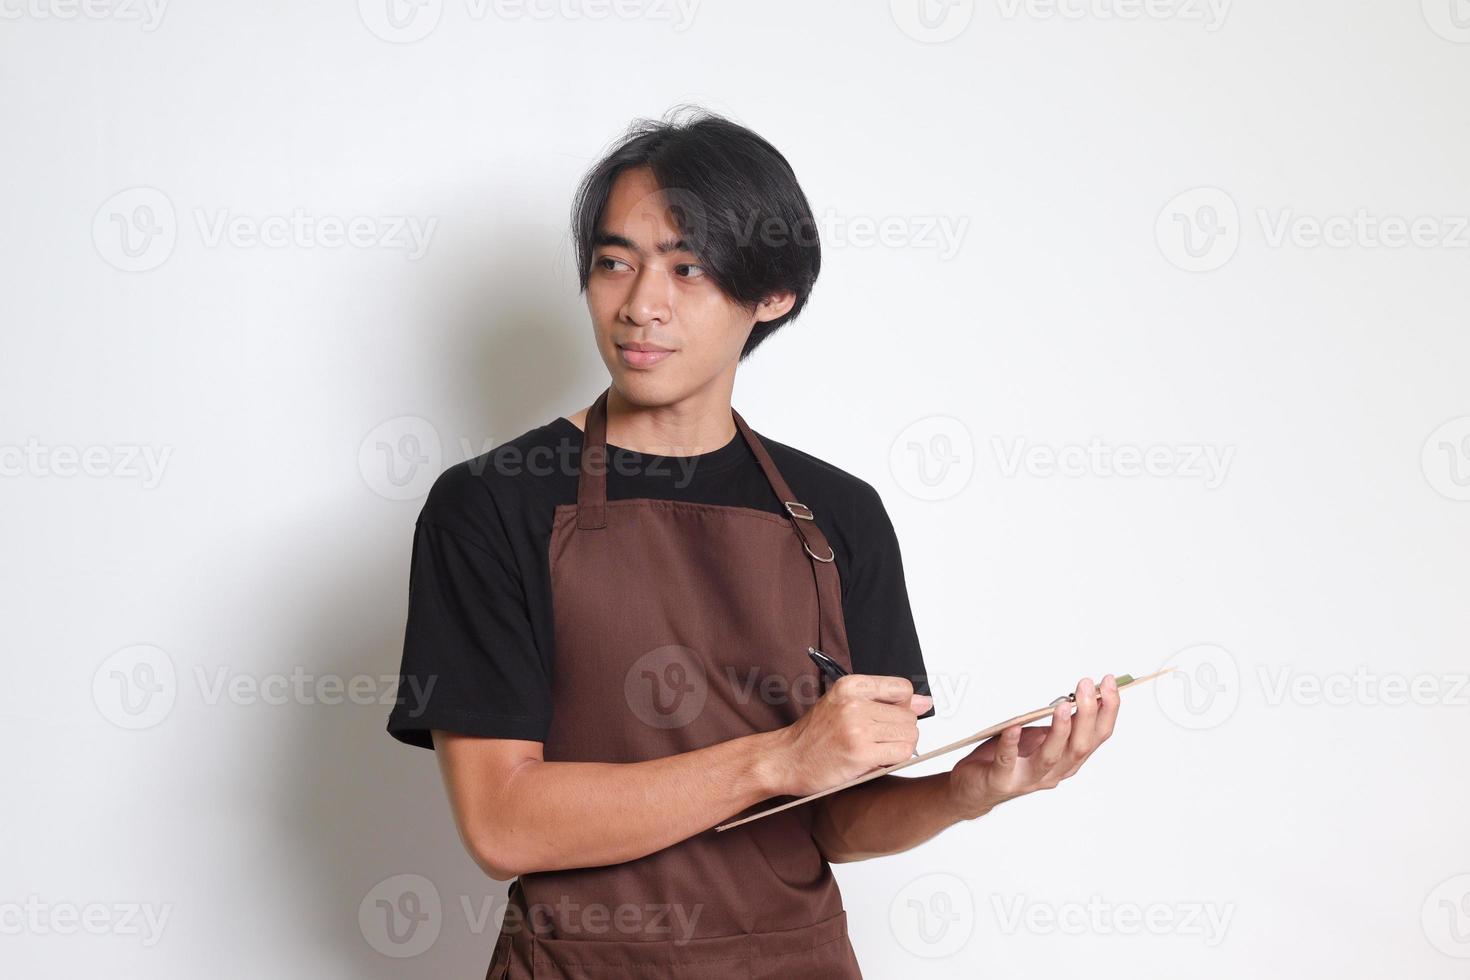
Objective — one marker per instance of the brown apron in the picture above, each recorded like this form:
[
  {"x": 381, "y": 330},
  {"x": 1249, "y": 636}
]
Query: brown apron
[{"x": 681, "y": 625}]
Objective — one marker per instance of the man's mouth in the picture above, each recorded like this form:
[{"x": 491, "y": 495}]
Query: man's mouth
[{"x": 639, "y": 355}]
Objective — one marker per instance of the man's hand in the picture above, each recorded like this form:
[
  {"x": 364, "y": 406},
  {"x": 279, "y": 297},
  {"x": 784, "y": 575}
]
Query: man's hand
[
  {"x": 1023, "y": 760},
  {"x": 864, "y": 721}
]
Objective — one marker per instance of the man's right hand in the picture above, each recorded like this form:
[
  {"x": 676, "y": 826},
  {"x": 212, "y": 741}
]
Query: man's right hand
[{"x": 863, "y": 721}]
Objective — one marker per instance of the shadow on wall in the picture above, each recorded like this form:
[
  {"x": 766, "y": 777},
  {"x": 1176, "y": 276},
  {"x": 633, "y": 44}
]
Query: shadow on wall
[{"x": 379, "y": 868}]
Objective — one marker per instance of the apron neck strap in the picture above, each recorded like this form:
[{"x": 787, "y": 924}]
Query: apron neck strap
[{"x": 592, "y": 481}]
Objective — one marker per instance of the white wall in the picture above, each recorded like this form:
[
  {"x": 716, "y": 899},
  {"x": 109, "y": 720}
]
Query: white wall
[{"x": 1252, "y": 819}]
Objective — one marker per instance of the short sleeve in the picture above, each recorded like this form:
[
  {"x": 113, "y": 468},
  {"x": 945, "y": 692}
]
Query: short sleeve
[
  {"x": 875, "y": 605},
  {"x": 470, "y": 662}
]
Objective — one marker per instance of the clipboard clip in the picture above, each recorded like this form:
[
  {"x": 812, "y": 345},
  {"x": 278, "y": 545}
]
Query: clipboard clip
[{"x": 1120, "y": 680}]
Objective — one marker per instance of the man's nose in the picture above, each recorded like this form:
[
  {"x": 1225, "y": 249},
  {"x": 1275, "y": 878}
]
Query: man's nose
[{"x": 649, "y": 298}]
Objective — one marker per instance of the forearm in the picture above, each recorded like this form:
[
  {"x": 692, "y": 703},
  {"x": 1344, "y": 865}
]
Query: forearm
[
  {"x": 554, "y": 815},
  {"x": 886, "y": 816}
]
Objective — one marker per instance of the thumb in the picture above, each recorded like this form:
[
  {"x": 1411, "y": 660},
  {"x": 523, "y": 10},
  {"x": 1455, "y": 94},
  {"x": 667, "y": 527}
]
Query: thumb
[
  {"x": 921, "y": 703},
  {"x": 1006, "y": 750}
]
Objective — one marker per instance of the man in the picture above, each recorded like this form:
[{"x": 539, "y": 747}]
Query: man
[{"x": 612, "y": 617}]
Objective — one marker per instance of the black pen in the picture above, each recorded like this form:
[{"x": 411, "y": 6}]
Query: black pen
[{"x": 829, "y": 667}]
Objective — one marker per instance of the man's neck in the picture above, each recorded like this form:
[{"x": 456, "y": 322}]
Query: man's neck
[{"x": 700, "y": 423}]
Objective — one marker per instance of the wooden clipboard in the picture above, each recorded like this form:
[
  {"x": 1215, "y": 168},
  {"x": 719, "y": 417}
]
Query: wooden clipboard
[{"x": 1125, "y": 682}]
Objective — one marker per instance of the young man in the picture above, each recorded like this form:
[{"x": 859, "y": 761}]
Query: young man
[{"x": 610, "y": 617}]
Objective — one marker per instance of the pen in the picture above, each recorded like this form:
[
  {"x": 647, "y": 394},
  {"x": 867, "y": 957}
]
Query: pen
[{"x": 830, "y": 668}]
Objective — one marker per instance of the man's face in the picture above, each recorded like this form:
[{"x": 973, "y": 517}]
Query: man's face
[{"x": 663, "y": 328}]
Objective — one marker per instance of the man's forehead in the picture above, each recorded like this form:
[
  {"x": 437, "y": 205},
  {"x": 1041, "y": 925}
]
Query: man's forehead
[{"x": 638, "y": 215}]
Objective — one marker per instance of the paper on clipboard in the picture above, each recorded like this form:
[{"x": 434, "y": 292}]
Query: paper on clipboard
[{"x": 1025, "y": 719}]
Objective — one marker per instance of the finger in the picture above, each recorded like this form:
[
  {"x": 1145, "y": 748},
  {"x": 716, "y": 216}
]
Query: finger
[
  {"x": 892, "y": 714},
  {"x": 920, "y": 703},
  {"x": 1056, "y": 740},
  {"x": 895, "y": 731},
  {"x": 876, "y": 687},
  {"x": 1005, "y": 750},
  {"x": 1084, "y": 721},
  {"x": 1107, "y": 713}
]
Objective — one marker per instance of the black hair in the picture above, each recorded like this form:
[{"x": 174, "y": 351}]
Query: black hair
[{"x": 733, "y": 197}]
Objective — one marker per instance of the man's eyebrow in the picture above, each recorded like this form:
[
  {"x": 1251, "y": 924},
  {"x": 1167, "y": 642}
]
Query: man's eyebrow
[{"x": 618, "y": 241}]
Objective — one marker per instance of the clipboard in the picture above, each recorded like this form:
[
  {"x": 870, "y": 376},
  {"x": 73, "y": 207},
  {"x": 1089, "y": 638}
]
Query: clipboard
[{"x": 1124, "y": 682}]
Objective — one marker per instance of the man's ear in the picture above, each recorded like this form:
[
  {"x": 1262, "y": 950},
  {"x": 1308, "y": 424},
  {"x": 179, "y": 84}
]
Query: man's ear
[{"x": 775, "y": 306}]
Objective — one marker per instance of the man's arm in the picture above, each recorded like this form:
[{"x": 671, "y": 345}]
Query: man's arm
[
  {"x": 517, "y": 813},
  {"x": 895, "y": 813}
]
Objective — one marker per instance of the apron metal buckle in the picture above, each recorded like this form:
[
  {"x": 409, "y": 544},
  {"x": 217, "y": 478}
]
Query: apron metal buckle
[{"x": 804, "y": 513}]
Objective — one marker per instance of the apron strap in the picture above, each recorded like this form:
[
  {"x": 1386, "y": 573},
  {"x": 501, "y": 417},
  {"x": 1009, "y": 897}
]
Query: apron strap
[
  {"x": 592, "y": 480},
  {"x": 592, "y": 514}
]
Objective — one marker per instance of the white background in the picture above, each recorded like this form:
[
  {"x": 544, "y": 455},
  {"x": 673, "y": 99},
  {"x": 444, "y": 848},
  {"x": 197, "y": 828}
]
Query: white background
[{"x": 1135, "y": 189}]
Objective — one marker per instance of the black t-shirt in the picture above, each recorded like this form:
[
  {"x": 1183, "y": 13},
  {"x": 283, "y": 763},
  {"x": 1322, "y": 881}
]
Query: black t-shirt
[{"x": 478, "y": 650}]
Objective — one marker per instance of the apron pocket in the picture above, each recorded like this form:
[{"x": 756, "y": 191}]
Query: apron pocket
[{"x": 820, "y": 951}]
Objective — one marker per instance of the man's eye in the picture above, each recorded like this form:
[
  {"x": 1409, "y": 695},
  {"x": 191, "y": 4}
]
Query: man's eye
[
  {"x": 609, "y": 263},
  {"x": 689, "y": 271}
]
